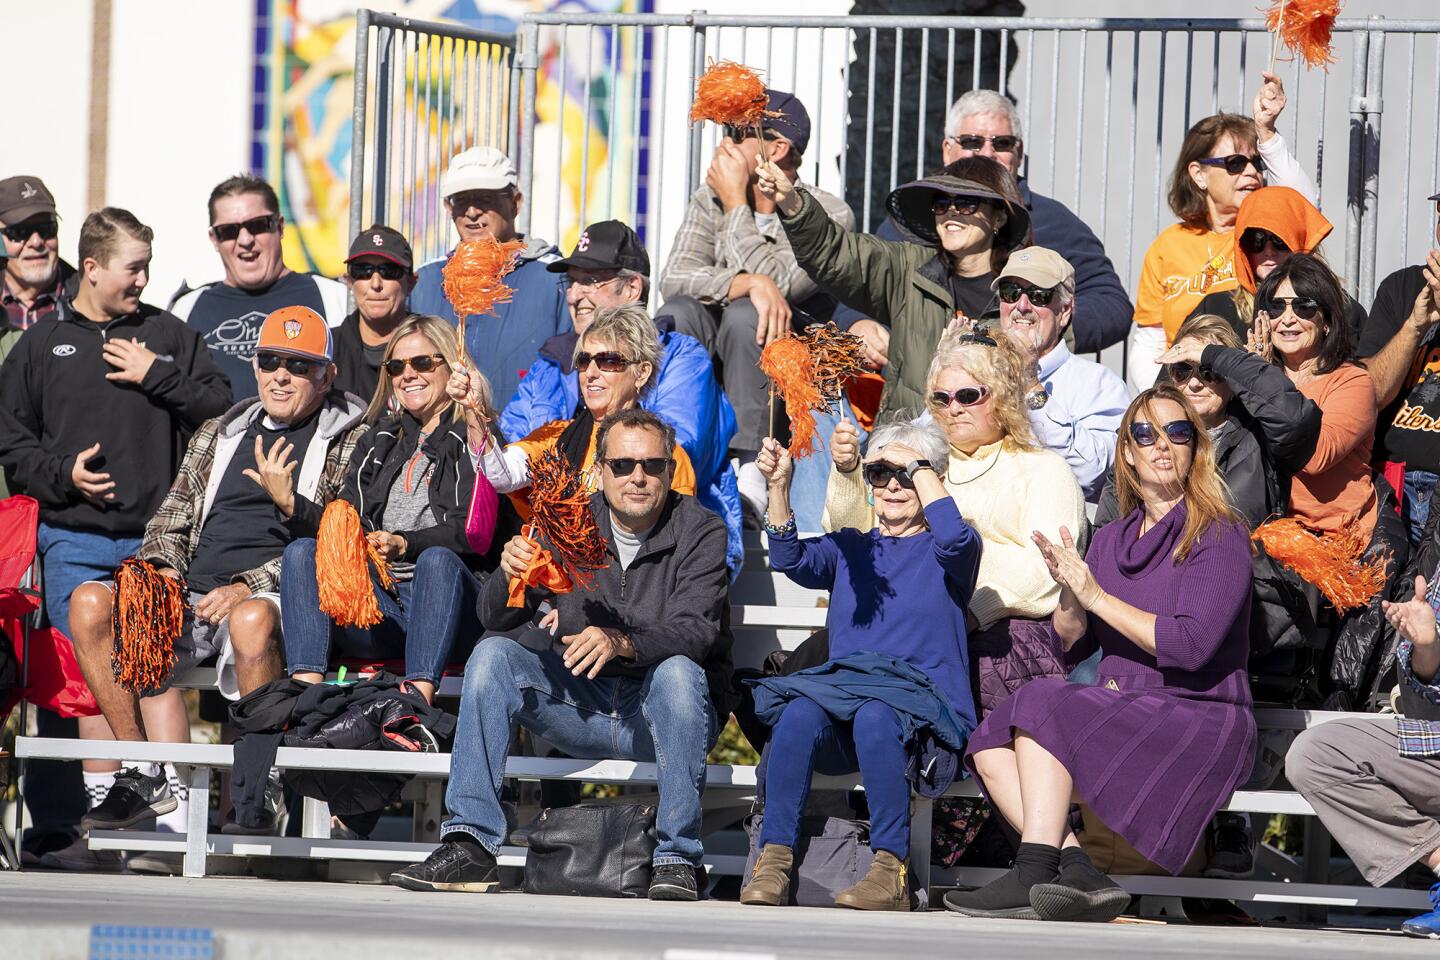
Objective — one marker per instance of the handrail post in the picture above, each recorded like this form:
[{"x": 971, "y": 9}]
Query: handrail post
[{"x": 527, "y": 58}]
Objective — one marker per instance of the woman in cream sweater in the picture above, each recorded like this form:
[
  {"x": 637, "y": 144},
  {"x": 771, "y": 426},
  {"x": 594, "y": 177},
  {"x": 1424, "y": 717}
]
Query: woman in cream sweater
[{"x": 1006, "y": 486}]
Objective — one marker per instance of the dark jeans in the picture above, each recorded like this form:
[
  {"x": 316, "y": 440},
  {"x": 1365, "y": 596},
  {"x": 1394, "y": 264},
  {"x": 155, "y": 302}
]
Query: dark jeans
[
  {"x": 807, "y": 739},
  {"x": 424, "y": 621},
  {"x": 1415, "y": 502}
]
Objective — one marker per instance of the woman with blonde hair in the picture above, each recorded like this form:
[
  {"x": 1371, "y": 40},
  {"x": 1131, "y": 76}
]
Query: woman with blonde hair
[
  {"x": 1161, "y": 741},
  {"x": 411, "y": 480},
  {"x": 1005, "y": 485}
]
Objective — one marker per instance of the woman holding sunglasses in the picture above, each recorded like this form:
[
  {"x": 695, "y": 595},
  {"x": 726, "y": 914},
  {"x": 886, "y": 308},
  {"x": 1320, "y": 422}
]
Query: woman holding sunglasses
[
  {"x": 898, "y": 665},
  {"x": 1163, "y": 738},
  {"x": 411, "y": 480},
  {"x": 1005, "y": 485},
  {"x": 1273, "y": 223},
  {"x": 971, "y": 217}
]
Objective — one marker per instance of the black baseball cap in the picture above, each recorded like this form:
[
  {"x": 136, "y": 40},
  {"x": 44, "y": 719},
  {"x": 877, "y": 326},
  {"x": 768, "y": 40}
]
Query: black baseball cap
[
  {"x": 378, "y": 240},
  {"x": 793, "y": 122},
  {"x": 607, "y": 245}
]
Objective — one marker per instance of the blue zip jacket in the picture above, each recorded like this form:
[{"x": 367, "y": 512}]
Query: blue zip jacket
[
  {"x": 686, "y": 394},
  {"x": 504, "y": 345}
]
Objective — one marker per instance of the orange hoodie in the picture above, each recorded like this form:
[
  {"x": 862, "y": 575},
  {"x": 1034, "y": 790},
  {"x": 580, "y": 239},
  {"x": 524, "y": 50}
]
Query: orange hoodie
[{"x": 1284, "y": 213}]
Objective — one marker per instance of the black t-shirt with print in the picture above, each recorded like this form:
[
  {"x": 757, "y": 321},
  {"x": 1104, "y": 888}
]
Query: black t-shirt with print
[{"x": 1408, "y": 430}]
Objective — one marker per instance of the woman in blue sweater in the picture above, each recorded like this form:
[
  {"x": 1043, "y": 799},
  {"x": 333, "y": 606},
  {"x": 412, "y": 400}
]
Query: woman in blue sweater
[{"x": 899, "y": 671}]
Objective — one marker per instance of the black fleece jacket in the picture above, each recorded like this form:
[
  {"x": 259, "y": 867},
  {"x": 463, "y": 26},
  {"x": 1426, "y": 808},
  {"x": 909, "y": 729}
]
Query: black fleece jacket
[{"x": 55, "y": 402}]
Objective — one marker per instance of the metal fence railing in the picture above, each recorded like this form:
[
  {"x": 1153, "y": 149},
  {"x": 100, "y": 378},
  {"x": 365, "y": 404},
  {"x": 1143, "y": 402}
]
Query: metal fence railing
[{"x": 423, "y": 92}]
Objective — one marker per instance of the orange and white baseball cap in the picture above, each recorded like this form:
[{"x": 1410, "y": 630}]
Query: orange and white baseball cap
[{"x": 297, "y": 332}]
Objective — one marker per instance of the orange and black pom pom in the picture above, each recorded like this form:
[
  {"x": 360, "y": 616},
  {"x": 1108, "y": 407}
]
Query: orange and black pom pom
[{"x": 148, "y": 615}]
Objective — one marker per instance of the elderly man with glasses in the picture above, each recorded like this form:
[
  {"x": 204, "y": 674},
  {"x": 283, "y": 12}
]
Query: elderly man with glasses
[{"x": 35, "y": 276}]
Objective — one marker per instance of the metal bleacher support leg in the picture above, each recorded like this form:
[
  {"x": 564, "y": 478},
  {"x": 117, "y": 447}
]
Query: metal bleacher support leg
[
  {"x": 921, "y": 816},
  {"x": 316, "y": 820},
  {"x": 429, "y": 809},
  {"x": 197, "y": 828},
  {"x": 1316, "y": 854}
]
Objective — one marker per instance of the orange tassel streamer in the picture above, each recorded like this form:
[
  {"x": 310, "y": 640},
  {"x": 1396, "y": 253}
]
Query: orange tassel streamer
[
  {"x": 342, "y": 557},
  {"x": 561, "y": 501},
  {"x": 731, "y": 93},
  {"x": 809, "y": 372},
  {"x": 1304, "y": 27},
  {"x": 471, "y": 277},
  {"x": 148, "y": 616},
  {"x": 1334, "y": 563}
]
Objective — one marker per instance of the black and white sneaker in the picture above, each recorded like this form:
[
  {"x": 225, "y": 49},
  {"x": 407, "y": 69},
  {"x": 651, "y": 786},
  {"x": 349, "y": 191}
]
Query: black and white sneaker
[
  {"x": 674, "y": 881},
  {"x": 270, "y": 816},
  {"x": 455, "y": 867},
  {"x": 134, "y": 799}
]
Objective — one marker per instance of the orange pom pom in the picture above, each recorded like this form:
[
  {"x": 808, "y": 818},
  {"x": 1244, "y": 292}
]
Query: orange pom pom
[
  {"x": 343, "y": 556},
  {"x": 1334, "y": 563},
  {"x": 147, "y": 618},
  {"x": 561, "y": 501},
  {"x": 809, "y": 371},
  {"x": 1304, "y": 27},
  {"x": 731, "y": 93},
  {"x": 471, "y": 277}
]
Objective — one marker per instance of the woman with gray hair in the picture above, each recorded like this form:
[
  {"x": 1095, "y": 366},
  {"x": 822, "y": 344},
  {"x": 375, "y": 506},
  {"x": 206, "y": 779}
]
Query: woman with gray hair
[{"x": 898, "y": 678}]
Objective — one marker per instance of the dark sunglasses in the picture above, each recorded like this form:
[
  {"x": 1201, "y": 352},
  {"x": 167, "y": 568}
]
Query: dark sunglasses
[
  {"x": 424, "y": 363},
  {"x": 741, "y": 134},
  {"x": 965, "y": 396},
  {"x": 299, "y": 366},
  {"x": 970, "y": 141},
  {"x": 1304, "y": 308},
  {"x": 20, "y": 232},
  {"x": 1234, "y": 164},
  {"x": 608, "y": 361},
  {"x": 1010, "y": 292},
  {"x": 965, "y": 206},
  {"x": 1182, "y": 372},
  {"x": 1255, "y": 240},
  {"x": 226, "y": 232},
  {"x": 364, "y": 271},
  {"x": 625, "y": 466},
  {"x": 1179, "y": 432},
  {"x": 879, "y": 475}
]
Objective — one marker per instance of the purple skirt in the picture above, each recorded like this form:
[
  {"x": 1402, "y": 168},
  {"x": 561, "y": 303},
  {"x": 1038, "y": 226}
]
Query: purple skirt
[{"x": 1155, "y": 763}]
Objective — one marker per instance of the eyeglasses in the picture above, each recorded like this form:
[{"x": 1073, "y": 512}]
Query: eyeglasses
[
  {"x": 1179, "y": 432},
  {"x": 965, "y": 396},
  {"x": 625, "y": 466},
  {"x": 880, "y": 474},
  {"x": 1254, "y": 240},
  {"x": 1182, "y": 372},
  {"x": 228, "y": 232},
  {"x": 1010, "y": 292},
  {"x": 1304, "y": 308},
  {"x": 361, "y": 270},
  {"x": 971, "y": 141},
  {"x": 299, "y": 366},
  {"x": 423, "y": 363},
  {"x": 965, "y": 206},
  {"x": 1234, "y": 164},
  {"x": 592, "y": 284},
  {"x": 608, "y": 362},
  {"x": 20, "y": 232}
]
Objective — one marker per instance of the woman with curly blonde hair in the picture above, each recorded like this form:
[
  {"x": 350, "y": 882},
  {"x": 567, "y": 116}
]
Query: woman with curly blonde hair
[{"x": 1005, "y": 485}]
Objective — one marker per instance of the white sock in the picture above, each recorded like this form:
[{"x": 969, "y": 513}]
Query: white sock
[
  {"x": 146, "y": 769},
  {"x": 97, "y": 786},
  {"x": 751, "y": 482},
  {"x": 177, "y": 820}
]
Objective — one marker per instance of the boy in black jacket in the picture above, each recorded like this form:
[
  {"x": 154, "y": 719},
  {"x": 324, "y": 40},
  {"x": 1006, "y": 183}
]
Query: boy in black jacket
[{"x": 95, "y": 408}]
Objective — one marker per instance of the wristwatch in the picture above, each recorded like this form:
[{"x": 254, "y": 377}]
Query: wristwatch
[
  {"x": 916, "y": 465},
  {"x": 1037, "y": 398}
]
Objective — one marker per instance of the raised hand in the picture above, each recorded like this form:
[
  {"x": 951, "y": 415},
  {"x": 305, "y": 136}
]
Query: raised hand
[
  {"x": 1414, "y": 619},
  {"x": 1183, "y": 351},
  {"x": 1068, "y": 568},
  {"x": 1269, "y": 102},
  {"x": 275, "y": 472},
  {"x": 1257, "y": 338},
  {"x": 774, "y": 463},
  {"x": 772, "y": 183},
  {"x": 845, "y": 447}
]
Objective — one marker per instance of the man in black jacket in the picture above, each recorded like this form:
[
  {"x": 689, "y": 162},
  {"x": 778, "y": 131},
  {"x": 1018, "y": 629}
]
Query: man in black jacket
[{"x": 637, "y": 667}]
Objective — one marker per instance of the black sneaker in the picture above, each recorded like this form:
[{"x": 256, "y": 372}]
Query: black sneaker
[
  {"x": 453, "y": 866},
  {"x": 1232, "y": 848},
  {"x": 134, "y": 799},
  {"x": 674, "y": 881}
]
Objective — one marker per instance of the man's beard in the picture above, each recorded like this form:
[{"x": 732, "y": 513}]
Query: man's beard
[{"x": 39, "y": 273}]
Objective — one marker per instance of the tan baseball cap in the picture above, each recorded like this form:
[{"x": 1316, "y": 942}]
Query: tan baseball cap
[{"x": 1040, "y": 265}]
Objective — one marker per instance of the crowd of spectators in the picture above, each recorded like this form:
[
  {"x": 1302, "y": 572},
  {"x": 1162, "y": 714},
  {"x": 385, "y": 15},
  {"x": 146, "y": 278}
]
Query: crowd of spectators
[{"x": 1040, "y": 574}]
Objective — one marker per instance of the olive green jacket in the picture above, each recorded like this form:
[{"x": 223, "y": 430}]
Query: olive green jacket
[
  {"x": 9, "y": 333},
  {"x": 902, "y": 285}
]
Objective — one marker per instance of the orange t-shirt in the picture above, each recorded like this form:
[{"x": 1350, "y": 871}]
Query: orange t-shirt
[
  {"x": 1180, "y": 268},
  {"x": 1334, "y": 489},
  {"x": 543, "y": 438}
]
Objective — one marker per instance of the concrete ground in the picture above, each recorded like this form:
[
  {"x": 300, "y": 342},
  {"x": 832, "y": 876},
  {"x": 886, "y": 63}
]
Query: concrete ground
[{"x": 51, "y": 915}]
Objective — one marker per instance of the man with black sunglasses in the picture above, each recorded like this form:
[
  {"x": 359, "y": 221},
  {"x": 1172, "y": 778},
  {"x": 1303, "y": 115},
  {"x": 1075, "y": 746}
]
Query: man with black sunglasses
[
  {"x": 380, "y": 273},
  {"x": 35, "y": 276},
  {"x": 247, "y": 230}
]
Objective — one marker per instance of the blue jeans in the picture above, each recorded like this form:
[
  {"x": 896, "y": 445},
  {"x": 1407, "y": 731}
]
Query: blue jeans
[
  {"x": 667, "y": 719},
  {"x": 812, "y": 474},
  {"x": 423, "y": 621},
  {"x": 808, "y": 740},
  {"x": 1415, "y": 501}
]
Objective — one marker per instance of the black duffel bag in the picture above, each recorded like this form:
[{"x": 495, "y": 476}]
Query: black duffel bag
[{"x": 596, "y": 848}]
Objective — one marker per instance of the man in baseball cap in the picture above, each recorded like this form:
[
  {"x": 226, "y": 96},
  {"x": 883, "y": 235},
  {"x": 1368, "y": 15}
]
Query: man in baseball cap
[
  {"x": 380, "y": 273},
  {"x": 481, "y": 190},
  {"x": 1075, "y": 404},
  {"x": 35, "y": 276}
]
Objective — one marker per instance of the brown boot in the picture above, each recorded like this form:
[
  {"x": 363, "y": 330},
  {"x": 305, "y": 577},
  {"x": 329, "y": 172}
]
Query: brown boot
[
  {"x": 885, "y": 886},
  {"x": 769, "y": 884}
]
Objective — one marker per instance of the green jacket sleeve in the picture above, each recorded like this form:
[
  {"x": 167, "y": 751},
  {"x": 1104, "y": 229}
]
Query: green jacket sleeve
[{"x": 861, "y": 271}]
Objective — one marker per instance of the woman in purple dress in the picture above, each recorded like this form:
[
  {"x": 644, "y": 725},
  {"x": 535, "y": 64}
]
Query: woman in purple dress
[{"x": 1163, "y": 738}]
